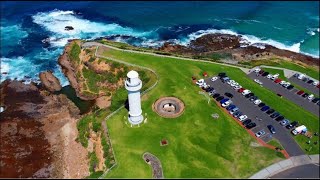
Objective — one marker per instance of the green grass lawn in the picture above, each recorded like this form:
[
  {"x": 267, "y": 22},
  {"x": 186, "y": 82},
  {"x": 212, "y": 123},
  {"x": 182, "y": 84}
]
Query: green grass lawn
[{"x": 199, "y": 146}]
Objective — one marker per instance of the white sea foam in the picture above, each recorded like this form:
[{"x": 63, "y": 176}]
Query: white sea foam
[{"x": 56, "y": 21}]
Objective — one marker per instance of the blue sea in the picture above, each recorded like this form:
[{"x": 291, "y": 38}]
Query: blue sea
[{"x": 26, "y": 27}]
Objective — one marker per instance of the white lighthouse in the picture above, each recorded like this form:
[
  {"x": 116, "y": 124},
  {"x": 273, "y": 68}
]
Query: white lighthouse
[{"x": 133, "y": 84}]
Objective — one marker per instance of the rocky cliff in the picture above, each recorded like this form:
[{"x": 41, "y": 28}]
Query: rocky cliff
[{"x": 49, "y": 81}]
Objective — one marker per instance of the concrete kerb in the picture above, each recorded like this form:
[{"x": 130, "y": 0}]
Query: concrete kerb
[
  {"x": 278, "y": 167},
  {"x": 110, "y": 115}
]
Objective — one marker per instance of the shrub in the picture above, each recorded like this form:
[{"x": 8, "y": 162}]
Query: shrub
[{"x": 74, "y": 54}]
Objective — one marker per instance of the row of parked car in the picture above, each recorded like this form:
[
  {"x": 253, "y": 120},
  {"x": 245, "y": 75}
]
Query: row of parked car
[
  {"x": 306, "y": 79},
  {"x": 287, "y": 85},
  {"x": 263, "y": 107}
]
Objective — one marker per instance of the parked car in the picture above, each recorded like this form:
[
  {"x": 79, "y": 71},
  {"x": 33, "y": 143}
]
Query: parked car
[
  {"x": 261, "y": 104},
  {"x": 200, "y": 82},
  {"x": 234, "y": 110},
  {"x": 225, "y": 79},
  {"x": 261, "y": 71},
  {"x": 279, "y": 118},
  {"x": 246, "y": 122},
  {"x": 249, "y": 95},
  {"x": 310, "y": 81},
  {"x": 270, "y": 111},
  {"x": 272, "y": 129},
  {"x": 242, "y": 117},
  {"x": 253, "y": 98},
  {"x": 301, "y": 76},
  {"x": 277, "y": 80},
  {"x": 274, "y": 115},
  {"x": 237, "y": 87},
  {"x": 265, "y": 74},
  {"x": 245, "y": 92},
  {"x": 315, "y": 83},
  {"x": 315, "y": 100},
  {"x": 305, "y": 79},
  {"x": 231, "y": 106},
  {"x": 219, "y": 98},
  {"x": 228, "y": 95},
  {"x": 296, "y": 75},
  {"x": 287, "y": 84},
  {"x": 224, "y": 100},
  {"x": 292, "y": 125},
  {"x": 209, "y": 89},
  {"x": 257, "y": 70},
  {"x": 226, "y": 104},
  {"x": 230, "y": 82},
  {"x": 241, "y": 90},
  {"x": 256, "y": 102},
  {"x": 251, "y": 125},
  {"x": 275, "y": 76},
  {"x": 260, "y": 133},
  {"x": 212, "y": 92},
  {"x": 237, "y": 114},
  {"x": 285, "y": 122},
  {"x": 214, "y": 78},
  {"x": 305, "y": 95},
  {"x": 290, "y": 87},
  {"x": 310, "y": 96},
  {"x": 300, "y": 92},
  {"x": 234, "y": 84},
  {"x": 264, "y": 108},
  {"x": 215, "y": 95}
]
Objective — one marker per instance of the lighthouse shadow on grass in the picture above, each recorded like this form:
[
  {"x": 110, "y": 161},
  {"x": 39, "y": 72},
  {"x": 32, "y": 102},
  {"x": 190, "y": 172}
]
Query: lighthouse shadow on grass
[{"x": 126, "y": 104}]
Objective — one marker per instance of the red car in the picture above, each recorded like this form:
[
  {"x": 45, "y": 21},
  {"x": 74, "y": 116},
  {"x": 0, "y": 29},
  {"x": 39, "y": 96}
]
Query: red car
[
  {"x": 318, "y": 86},
  {"x": 241, "y": 90},
  {"x": 300, "y": 92},
  {"x": 278, "y": 80}
]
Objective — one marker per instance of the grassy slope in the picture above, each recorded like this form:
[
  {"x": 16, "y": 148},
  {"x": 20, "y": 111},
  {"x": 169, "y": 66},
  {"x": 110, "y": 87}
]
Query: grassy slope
[{"x": 198, "y": 145}]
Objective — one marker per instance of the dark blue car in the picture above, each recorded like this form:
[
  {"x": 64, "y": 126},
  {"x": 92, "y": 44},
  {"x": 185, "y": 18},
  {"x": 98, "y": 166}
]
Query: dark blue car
[
  {"x": 264, "y": 108},
  {"x": 224, "y": 100},
  {"x": 230, "y": 107}
]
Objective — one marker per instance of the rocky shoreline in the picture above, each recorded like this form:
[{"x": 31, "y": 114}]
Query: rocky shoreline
[
  {"x": 38, "y": 132},
  {"x": 237, "y": 47}
]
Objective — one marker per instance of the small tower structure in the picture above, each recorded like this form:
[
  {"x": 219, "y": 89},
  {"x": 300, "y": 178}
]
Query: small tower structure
[{"x": 133, "y": 84}]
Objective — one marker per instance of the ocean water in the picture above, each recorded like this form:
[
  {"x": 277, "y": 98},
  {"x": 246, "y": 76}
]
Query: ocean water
[{"x": 26, "y": 25}]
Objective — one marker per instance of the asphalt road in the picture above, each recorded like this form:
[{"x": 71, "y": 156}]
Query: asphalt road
[
  {"x": 289, "y": 94},
  {"x": 252, "y": 111},
  {"x": 304, "y": 171},
  {"x": 310, "y": 87}
]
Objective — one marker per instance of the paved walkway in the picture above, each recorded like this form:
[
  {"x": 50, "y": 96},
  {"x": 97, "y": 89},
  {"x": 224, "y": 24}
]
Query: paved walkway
[
  {"x": 155, "y": 163},
  {"x": 281, "y": 166}
]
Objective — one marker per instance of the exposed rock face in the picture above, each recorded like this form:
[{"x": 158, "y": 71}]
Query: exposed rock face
[
  {"x": 237, "y": 47},
  {"x": 68, "y": 28},
  {"x": 38, "y": 133},
  {"x": 49, "y": 81}
]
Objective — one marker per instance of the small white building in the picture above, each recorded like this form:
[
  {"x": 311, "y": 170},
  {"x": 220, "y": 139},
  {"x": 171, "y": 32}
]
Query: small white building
[{"x": 133, "y": 84}]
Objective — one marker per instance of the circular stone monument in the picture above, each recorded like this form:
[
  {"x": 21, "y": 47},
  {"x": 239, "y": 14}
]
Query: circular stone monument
[{"x": 168, "y": 107}]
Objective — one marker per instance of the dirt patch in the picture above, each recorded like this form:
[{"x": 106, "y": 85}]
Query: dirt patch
[{"x": 103, "y": 102}]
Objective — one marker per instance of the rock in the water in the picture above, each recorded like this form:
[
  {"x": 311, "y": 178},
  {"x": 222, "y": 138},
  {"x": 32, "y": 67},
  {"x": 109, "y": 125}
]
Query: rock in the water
[
  {"x": 68, "y": 28},
  {"x": 49, "y": 81}
]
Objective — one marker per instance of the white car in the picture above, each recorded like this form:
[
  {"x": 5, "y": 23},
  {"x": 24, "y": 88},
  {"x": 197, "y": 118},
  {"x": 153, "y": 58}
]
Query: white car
[
  {"x": 315, "y": 83},
  {"x": 226, "y": 104},
  {"x": 275, "y": 76},
  {"x": 286, "y": 84},
  {"x": 310, "y": 96},
  {"x": 245, "y": 92},
  {"x": 260, "y": 133},
  {"x": 237, "y": 87},
  {"x": 269, "y": 76},
  {"x": 256, "y": 102},
  {"x": 200, "y": 82},
  {"x": 214, "y": 78},
  {"x": 282, "y": 82},
  {"x": 257, "y": 70},
  {"x": 231, "y": 81},
  {"x": 234, "y": 84},
  {"x": 258, "y": 81},
  {"x": 205, "y": 85},
  {"x": 243, "y": 117},
  {"x": 301, "y": 76}
]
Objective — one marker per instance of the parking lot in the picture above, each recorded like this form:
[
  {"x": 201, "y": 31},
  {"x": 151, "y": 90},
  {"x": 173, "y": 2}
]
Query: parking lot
[
  {"x": 289, "y": 94},
  {"x": 252, "y": 111},
  {"x": 310, "y": 87}
]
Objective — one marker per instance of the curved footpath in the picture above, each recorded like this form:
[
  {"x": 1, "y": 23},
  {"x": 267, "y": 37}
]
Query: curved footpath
[{"x": 281, "y": 166}]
